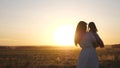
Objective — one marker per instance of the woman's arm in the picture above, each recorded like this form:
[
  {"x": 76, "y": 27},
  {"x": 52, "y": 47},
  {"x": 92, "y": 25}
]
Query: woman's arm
[{"x": 99, "y": 40}]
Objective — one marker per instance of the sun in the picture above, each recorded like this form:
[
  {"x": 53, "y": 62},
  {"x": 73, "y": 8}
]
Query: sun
[{"x": 64, "y": 35}]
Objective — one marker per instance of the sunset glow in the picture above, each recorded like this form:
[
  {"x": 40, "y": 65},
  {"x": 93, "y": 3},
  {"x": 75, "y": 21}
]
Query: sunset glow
[
  {"x": 53, "y": 22},
  {"x": 64, "y": 35}
]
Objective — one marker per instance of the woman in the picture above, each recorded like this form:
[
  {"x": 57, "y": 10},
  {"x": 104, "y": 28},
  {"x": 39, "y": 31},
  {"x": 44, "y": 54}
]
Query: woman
[
  {"x": 88, "y": 56},
  {"x": 92, "y": 28}
]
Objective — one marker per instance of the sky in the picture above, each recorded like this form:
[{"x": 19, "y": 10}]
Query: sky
[{"x": 33, "y": 22}]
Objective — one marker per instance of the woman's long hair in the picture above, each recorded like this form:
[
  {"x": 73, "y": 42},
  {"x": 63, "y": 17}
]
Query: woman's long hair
[
  {"x": 92, "y": 27},
  {"x": 80, "y": 30}
]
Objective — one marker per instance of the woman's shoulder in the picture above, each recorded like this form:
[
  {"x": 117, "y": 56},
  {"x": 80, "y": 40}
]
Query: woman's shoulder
[{"x": 90, "y": 34}]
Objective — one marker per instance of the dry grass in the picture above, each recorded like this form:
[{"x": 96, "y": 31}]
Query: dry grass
[{"x": 52, "y": 57}]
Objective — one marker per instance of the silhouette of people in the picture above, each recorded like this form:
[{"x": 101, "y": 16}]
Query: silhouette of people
[
  {"x": 88, "y": 42},
  {"x": 80, "y": 31},
  {"x": 92, "y": 28}
]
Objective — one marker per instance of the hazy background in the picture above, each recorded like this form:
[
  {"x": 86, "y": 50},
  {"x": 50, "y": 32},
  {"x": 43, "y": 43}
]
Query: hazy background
[{"x": 33, "y": 22}]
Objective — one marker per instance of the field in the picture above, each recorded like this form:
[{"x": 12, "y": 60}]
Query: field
[{"x": 52, "y": 57}]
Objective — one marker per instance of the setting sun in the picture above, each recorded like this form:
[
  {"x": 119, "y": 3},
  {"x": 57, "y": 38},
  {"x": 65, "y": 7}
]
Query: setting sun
[{"x": 64, "y": 35}]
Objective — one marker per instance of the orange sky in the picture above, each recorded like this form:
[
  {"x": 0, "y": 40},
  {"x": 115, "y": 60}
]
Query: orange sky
[{"x": 35, "y": 22}]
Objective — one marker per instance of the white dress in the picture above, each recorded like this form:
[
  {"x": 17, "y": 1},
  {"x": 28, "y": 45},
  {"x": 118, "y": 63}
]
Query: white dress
[{"x": 88, "y": 56}]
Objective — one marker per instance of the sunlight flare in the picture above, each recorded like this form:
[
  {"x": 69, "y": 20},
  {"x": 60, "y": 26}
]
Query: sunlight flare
[{"x": 64, "y": 35}]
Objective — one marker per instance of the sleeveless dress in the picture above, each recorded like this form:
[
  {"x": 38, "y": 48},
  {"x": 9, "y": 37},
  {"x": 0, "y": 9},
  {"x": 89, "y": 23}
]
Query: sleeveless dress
[{"x": 88, "y": 56}]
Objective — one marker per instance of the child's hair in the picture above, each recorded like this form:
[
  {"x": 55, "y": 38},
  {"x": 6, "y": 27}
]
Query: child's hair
[{"x": 92, "y": 27}]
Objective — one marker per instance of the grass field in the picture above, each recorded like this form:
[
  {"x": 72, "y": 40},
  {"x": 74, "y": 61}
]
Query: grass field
[{"x": 52, "y": 57}]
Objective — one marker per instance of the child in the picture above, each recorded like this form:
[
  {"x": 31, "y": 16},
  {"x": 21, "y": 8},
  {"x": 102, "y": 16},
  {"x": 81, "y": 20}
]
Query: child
[{"x": 92, "y": 28}]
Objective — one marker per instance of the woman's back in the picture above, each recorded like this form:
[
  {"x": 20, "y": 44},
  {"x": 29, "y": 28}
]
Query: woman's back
[
  {"x": 88, "y": 56},
  {"x": 88, "y": 40}
]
